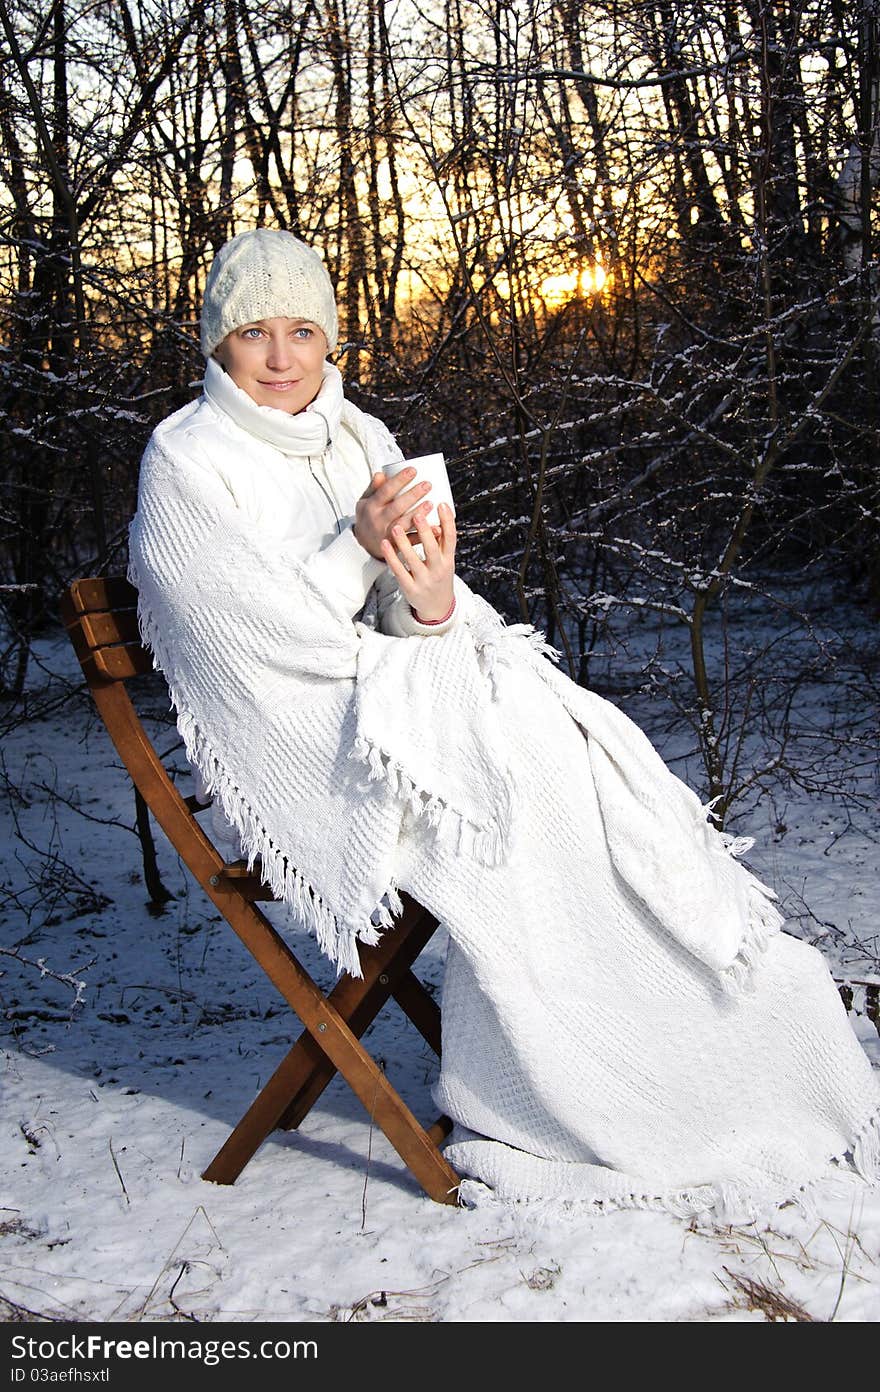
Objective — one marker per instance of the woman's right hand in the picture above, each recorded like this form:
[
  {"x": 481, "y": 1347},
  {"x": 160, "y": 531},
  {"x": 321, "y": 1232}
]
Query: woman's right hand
[{"x": 388, "y": 501}]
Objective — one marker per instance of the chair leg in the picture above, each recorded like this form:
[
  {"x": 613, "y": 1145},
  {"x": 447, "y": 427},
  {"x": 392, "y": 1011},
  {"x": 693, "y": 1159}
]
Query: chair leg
[
  {"x": 331, "y": 1035},
  {"x": 359, "y": 1016},
  {"x": 359, "y": 1001},
  {"x": 417, "y": 1147},
  {"x": 440, "y": 1130},
  {"x": 262, "y": 1116},
  {"x": 296, "y": 1084},
  {"x": 416, "y": 1003},
  {"x": 412, "y": 1143},
  {"x": 420, "y": 1008}
]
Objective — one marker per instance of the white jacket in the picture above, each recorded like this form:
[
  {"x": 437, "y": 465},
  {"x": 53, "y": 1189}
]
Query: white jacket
[{"x": 299, "y": 480}]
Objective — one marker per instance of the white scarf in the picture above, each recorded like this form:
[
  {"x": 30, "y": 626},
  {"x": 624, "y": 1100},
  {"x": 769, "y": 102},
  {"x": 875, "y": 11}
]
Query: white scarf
[{"x": 295, "y": 433}]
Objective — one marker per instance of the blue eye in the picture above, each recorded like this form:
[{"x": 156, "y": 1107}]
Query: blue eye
[
  {"x": 252, "y": 333},
  {"x": 304, "y": 332}
]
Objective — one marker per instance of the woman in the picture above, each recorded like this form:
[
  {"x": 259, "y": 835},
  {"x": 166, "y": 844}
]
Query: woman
[{"x": 623, "y": 1021}]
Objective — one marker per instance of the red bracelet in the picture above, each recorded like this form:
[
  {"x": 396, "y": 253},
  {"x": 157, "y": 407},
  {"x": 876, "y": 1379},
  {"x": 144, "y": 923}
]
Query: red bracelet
[{"x": 429, "y": 623}]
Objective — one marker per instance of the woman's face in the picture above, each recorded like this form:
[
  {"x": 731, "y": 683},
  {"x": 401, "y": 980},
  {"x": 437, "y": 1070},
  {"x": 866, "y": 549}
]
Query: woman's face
[{"x": 278, "y": 362}]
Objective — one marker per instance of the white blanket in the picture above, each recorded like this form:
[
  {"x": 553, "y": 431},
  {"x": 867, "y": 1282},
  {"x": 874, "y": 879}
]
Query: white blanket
[{"x": 354, "y": 765}]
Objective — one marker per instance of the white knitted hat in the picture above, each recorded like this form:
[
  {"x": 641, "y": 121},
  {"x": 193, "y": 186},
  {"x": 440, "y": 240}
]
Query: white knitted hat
[{"x": 266, "y": 274}]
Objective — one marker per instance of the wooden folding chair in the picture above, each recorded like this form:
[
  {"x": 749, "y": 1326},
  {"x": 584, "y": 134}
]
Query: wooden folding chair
[{"x": 101, "y": 618}]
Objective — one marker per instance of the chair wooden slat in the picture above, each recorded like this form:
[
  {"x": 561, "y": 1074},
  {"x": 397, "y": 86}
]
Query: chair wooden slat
[
  {"x": 244, "y": 882},
  {"x": 110, "y": 626},
  {"x": 120, "y": 663},
  {"x": 100, "y": 616},
  {"x": 102, "y": 592}
]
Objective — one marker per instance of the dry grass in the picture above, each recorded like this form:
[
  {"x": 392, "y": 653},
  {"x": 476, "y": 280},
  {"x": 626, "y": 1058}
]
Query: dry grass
[{"x": 770, "y": 1301}]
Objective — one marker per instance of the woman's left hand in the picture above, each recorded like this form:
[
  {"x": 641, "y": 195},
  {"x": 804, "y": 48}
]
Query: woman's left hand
[{"x": 425, "y": 582}]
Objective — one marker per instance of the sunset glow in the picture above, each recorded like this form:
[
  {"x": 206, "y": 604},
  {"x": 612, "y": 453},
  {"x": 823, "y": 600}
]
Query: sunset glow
[{"x": 557, "y": 290}]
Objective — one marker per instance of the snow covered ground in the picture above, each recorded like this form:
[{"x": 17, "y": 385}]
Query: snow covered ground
[{"x": 110, "y": 1110}]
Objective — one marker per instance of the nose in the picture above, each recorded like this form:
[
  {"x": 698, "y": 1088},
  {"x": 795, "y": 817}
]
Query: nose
[{"x": 279, "y": 355}]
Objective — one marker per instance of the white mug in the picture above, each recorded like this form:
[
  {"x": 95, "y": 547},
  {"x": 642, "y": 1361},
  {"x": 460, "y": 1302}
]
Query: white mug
[{"x": 430, "y": 468}]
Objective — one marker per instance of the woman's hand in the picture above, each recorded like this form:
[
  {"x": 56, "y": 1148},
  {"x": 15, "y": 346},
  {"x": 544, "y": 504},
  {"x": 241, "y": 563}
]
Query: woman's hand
[
  {"x": 425, "y": 581},
  {"x": 386, "y": 503}
]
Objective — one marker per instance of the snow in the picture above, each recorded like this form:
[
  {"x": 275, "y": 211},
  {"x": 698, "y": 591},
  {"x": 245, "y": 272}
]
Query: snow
[{"x": 112, "y": 1108}]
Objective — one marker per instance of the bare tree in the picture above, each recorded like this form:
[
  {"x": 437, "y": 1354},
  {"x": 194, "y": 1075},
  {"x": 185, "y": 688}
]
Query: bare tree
[{"x": 618, "y": 262}]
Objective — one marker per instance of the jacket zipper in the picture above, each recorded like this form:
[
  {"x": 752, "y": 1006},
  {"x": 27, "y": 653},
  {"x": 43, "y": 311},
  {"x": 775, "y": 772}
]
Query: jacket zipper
[{"x": 327, "y": 494}]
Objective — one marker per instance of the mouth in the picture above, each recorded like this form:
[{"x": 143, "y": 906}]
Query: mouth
[{"x": 280, "y": 386}]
